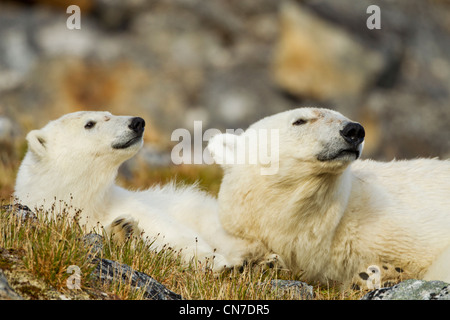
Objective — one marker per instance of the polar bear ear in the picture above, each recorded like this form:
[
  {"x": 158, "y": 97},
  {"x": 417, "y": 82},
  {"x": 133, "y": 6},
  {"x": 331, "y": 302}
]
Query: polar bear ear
[
  {"x": 37, "y": 142},
  {"x": 225, "y": 148}
]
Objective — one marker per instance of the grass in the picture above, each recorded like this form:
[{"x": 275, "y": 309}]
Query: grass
[
  {"x": 45, "y": 248},
  {"x": 52, "y": 243}
]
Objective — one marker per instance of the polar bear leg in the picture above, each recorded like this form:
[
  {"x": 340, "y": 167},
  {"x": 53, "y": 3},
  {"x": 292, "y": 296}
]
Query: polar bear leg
[
  {"x": 123, "y": 227},
  {"x": 440, "y": 268},
  {"x": 165, "y": 232}
]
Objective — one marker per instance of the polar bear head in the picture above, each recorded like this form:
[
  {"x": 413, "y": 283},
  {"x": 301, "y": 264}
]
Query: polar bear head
[
  {"x": 301, "y": 155},
  {"x": 320, "y": 139},
  {"x": 77, "y": 154},
  {"x": 89, "y": 136}
]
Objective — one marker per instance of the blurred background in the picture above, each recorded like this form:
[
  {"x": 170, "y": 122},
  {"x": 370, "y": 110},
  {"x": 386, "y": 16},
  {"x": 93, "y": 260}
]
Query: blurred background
[{"x": 227, "y": 63}]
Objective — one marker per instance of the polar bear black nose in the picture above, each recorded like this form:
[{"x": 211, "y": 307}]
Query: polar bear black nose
[
  {"x": 353, "y": 133},
  {"x": 137, "y": 125}
]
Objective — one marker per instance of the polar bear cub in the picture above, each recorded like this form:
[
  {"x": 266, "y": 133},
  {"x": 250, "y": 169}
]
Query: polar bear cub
[
  {"x": 329, "y": 215},
  {"x": 75, "y": 159}
]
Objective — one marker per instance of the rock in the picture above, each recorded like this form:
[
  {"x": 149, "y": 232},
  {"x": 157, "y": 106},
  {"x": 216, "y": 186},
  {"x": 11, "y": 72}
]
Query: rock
[
  {"x": 20, "y": 211},
  {"x": 108, "y": 270},
  {"x": 94, "y": 242},
  {"x": 292, "y": 289},
  {"x": 6, "y": 292},
  {"x": 412, "y": 290},
  {"x": 318, "y": 60}
]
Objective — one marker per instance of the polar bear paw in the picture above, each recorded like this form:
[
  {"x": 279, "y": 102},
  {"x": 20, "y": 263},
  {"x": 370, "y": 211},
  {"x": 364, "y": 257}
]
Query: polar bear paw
[{"x": 122, "y": 228}]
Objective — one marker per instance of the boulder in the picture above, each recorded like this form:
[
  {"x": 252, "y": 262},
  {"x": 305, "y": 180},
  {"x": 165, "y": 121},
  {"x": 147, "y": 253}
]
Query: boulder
[
  {"x": 316, "y": 59},
  {"x": 412, "y": 290}
]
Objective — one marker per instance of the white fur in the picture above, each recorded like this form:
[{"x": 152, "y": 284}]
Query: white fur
[
  {"x": 333, "y": 219},
  {"x": 78, "y": 166}
]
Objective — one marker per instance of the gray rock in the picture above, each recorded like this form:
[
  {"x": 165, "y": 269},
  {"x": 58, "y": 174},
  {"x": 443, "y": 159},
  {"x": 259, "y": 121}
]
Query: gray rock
[
  {"x": 292, "y": 289},
  {"x": 6, "y": 292},
  {"x": 412, "y": 290},
  {"x": 94, "y": 242},
  {"x": 20, "y": 211},
  {"x": 107, "y": 270}
]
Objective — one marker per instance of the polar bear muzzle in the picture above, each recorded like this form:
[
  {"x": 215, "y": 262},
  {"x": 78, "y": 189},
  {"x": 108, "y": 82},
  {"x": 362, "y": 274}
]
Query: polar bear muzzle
[
  {"x": 137, "y": 126},
  {"x": 347, "y": 147}
]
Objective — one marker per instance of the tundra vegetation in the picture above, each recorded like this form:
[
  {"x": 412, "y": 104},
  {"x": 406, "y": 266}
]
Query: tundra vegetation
[{"x": 41, "y": 249}]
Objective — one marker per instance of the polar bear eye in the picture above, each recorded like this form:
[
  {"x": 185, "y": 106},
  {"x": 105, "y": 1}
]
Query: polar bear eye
[
  {"x": 89, "y": 125},
  {"x": 299, "y": 122}
]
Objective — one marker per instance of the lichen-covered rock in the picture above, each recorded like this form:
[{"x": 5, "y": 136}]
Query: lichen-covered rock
[
  {"x": 19, "y": 211},
  {"x": 6, "y": 292},
  {"x": 291, "y": 289},
  {"x": 412, "y": 290}
]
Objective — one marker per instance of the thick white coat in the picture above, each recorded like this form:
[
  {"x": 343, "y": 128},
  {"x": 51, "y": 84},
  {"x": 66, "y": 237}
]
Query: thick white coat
[{"x": 331, "y": 220}]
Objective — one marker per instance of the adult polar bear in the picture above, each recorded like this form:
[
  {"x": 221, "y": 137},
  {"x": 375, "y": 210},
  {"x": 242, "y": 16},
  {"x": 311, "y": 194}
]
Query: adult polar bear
[
  {"x": 75, "y": 159},
  {"x": 329, "y": 215}
]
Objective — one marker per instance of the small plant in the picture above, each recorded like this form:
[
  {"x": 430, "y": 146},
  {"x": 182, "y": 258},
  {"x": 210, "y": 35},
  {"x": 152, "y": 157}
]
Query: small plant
[{"x": 52, "y": 241}]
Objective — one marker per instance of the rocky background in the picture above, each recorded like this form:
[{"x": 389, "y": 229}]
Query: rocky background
[{"x": 228, "y": 63}]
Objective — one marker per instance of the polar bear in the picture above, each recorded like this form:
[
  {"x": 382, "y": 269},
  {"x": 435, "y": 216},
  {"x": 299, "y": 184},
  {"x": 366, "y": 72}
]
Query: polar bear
[
  {"x": 329, "y": 215},
  {"x": 75, "y": 160}
]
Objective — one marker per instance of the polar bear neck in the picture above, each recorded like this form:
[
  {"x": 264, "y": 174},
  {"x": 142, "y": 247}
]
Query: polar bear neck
[
  {"x": 308, "y": 206},
  {"x": 313, "y": 211},
  {"x": 40, "y": 184},
  {"x": 324, "y": 195}
]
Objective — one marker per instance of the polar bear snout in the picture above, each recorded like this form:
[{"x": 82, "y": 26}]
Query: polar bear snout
[
  {"x": 137, "y": 125},
  {"x": 130, "y": 137},
  {"x": 353, "y": 133},
  {"x": 347, "y": 147}
]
